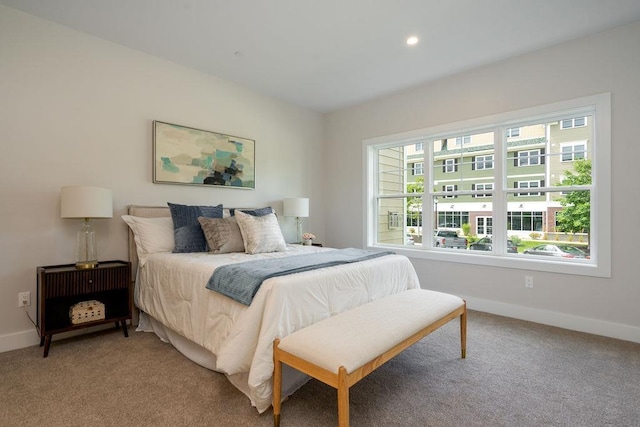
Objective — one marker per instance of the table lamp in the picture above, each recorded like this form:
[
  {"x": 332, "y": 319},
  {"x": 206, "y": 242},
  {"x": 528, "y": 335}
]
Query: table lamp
[
  {"x": 299, "y": 208},
  {"x": 87, "y": 203}
]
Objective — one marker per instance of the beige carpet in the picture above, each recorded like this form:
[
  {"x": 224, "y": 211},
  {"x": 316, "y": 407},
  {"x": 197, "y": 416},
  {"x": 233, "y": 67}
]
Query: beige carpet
[{"x": 516, "y": 374}]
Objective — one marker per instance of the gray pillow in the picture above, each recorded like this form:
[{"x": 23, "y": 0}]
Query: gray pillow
[
  {"x": 254, "y": 212},
  {"x": 222, "y": 234},
  {"x": 260, "y": 233}
]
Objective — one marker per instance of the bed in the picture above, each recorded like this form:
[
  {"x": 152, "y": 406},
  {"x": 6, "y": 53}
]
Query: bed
[{"x": 221, "y": 334}]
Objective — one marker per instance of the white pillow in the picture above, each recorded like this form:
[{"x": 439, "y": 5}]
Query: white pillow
[
  {"x": 260, "y": 233},
  {"x": 151, "y": 235}
]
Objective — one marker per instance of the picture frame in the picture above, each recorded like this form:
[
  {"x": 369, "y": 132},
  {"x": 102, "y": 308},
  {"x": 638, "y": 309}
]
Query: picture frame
[{"x": 188, "y": 156}]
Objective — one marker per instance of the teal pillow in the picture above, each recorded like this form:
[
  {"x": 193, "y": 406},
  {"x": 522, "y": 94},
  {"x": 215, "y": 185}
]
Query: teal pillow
[{"x": 187, "y": 232}]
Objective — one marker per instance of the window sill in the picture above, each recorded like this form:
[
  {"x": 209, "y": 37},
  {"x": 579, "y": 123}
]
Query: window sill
[{"x": 512, "y": 261}]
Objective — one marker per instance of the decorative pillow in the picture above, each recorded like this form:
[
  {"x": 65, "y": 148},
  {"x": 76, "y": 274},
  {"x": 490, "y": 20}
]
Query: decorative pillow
[
  {"x": 186, "y": 228},
  {"x": 151, "y": 235},
  {"x": 222, "y": 234},
  {"x": 260, "y": 233},
  {"x": 254, "y": 212}
]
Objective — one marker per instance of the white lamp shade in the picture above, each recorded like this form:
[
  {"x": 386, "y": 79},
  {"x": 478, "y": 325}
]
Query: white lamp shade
[
  {"x": 298, "y": 207},
  {"x": 78, "y": 201}
]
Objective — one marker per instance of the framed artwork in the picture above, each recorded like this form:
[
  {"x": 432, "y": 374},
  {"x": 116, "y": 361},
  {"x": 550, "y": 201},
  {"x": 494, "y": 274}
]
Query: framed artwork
[{"x": 184, "y": 155}]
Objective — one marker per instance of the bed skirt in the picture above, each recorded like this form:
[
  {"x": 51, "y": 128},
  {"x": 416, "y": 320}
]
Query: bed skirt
[{"x": 292, "y": 380}]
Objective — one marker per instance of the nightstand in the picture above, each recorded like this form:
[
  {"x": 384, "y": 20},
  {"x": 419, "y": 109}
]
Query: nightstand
[{"x": 62, "y": 286}]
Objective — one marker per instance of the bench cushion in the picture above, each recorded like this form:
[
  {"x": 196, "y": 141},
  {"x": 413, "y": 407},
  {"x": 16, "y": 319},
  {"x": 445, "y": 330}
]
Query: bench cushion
[{"x": 355, "y": 337}]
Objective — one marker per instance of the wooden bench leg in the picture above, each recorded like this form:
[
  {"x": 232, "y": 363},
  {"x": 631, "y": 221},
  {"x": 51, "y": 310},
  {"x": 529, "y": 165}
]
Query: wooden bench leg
[
  {"x": 277, "y": 384},
  {"x": 343, "y": 398},
  {"x": 463, "y": 331}
]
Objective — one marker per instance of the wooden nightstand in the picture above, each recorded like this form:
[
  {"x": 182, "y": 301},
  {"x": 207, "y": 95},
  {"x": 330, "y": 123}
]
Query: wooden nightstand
[{"x": 61, "y": 286}]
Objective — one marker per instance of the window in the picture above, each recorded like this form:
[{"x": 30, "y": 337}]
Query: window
[
  {"x": 545, "y": 186},
  {"x": 483, "y": 162},
  {"x": 418, "y": 168},
  {"x": 450, "y": 165},
  {"x": 513, "y": 132},
  {"x": 449, "y": 189},
  {"x": 463, "y": 140},
  {"x": 529, "y": 184},
  {"x": 524, "y": 221},
  {"x": 529, "y": 158},
  {"x": 482, "y": 187},
  {"x": 575, "y": 122},
  {"x": 419, "y": 146},
  {"x": 394, "y": 220},
  {"x": 484, "y": 225},
  {"x": 573, "y": 151}
]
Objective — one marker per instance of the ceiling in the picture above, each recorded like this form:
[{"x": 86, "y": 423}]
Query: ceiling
[{"x": 330, "y": 54}]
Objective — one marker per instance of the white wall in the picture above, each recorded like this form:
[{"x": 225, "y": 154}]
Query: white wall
[
  {"x": 607, "y": 62},
  {"x": 77, "y": 110}
]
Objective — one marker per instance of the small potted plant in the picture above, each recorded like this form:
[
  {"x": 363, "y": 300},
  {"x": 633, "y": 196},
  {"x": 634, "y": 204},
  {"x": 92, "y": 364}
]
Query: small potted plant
[{"x": 307, "y": 238}]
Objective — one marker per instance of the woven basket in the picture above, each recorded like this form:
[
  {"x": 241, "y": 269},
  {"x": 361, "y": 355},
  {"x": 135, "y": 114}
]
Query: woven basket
[{"x": 86, "y": 311}]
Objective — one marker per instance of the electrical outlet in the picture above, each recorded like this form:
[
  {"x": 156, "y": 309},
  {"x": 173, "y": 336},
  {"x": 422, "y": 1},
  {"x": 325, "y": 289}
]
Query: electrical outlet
[
  {"x": 24, "y": 299},
  {"x": 528, "y": 282}
]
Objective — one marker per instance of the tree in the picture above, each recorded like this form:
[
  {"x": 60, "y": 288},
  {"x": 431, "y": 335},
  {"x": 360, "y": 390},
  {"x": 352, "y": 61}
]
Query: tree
[
  {"x": 575, "y": 217},
  {"x": 414, "y": 204}
]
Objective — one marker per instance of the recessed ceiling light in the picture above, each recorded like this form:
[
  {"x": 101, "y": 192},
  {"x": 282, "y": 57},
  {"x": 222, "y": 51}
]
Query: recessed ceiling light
[{"x": 412, "y": 40}]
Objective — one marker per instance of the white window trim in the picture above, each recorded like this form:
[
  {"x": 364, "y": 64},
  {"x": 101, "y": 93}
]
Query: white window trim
[
  {"x": 598, "y": 105},
  {"x": 449, "y": 164},
  {"x": 528, "y": 187},
  {"x": 573, "y": 152},
  {"x": 573, "y": 123},
  {"x": 485, "y": 159},
  {"x": 529, "y": 155},
  {"x": 486, "y": 186},
  {"x": 510, "y": 132},
  {"x": 418, "y": 168}
]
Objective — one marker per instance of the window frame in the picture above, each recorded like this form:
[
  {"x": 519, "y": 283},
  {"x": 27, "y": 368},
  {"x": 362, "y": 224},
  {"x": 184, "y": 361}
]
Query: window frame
[
  {"x": 486, "y": 158},
  {"x": 573, "y": 145},
  {"x": 418, "y": 168},
  {"x": 573, "y": 123},
  {"x": 484, "y": 186},
  {"x": 538, "y": 183},
  {"x": 513, "y": 132},
  {"x": 598, "y": 106},
  {"x": 529, "y": 155},
  {"x": 450, "y": 165}
]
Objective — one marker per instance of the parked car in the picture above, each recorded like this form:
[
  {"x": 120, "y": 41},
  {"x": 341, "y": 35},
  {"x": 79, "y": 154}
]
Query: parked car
[
  {"x": 448, "y": 239},
  {"x": 484, "y": 244},
  {"x": 560, "y": 250}
]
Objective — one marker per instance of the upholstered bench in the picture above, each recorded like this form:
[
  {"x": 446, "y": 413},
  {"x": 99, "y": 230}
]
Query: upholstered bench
[{"x": 343, "y": 349}]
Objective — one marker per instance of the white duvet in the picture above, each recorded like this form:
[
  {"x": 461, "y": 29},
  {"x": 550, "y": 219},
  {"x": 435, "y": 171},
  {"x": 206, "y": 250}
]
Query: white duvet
[{"x": 171, "y": 289}]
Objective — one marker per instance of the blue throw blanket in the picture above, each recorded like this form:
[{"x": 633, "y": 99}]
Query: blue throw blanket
[{"x": 241, "y": 281}]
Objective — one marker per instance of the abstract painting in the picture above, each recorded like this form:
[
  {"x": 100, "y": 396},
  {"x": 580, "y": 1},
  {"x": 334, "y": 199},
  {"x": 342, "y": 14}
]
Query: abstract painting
[{"x": 184, "y": 155}]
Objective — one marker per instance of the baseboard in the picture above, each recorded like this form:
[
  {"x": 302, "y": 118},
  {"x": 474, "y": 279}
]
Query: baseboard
[
  {"x": 620, "y": 331},
  {"x": 18, "y": 340},
  {"x": 561, "y": 320},
  {"x": 30, "y": 337}
]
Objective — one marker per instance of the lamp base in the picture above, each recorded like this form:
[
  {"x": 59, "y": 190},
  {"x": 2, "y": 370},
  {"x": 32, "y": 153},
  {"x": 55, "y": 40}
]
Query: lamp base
[
  {"x": 85, "y": 265},
  {"x": 299, "y": 231},
  {"x": 86, "y": 248}
]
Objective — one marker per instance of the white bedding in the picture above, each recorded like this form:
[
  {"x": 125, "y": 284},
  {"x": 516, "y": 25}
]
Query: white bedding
[{"x": 171, "y": 289}]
